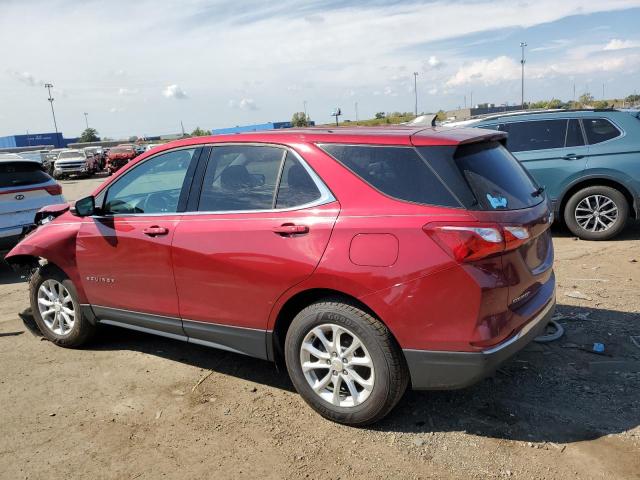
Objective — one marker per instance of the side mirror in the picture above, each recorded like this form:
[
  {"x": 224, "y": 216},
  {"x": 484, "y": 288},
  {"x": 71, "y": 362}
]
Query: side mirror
[{"x": 84, "y": 207}]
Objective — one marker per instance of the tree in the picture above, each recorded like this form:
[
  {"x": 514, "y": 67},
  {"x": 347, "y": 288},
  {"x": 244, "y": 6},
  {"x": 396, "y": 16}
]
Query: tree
[
  {"x": 632, "y": 98},
  {"x": 600, "y": 104},
  {"x": 441, "y": 115},
  {"x": 586, "y": 98},
  {"x": 199, "y": 132},
  {"x": 89, "y": 135},
  {"x": 380, "y": 115},
  {"x": 299, "y": 119}
]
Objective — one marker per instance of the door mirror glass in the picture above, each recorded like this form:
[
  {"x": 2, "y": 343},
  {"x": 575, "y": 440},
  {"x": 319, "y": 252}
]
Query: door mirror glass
[{"x": 84, "y": 207}]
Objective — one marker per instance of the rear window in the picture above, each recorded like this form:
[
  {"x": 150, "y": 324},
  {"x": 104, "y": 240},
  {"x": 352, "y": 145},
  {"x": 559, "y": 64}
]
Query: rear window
[
  {"x": 19, "y": 174},
  {"x": 484, "y": 176},
  {"x": 599, "y": 130},
  {"x": 398, "y": 172}
]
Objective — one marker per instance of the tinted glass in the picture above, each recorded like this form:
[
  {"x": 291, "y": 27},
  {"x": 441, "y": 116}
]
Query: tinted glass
[
  {"x": 296, "y": 185},
  {"x": 484, "y": 176},
  {"x": 241, "y": 178},
  {"x": 599, "y": 130},
  {"x": 536, "y": 135},
  {"x": 154, "y": 186},
  {"x": 574, "y": 134},
  {"x": 18, "y": 174},
  {"x": 395, "y": 171}
]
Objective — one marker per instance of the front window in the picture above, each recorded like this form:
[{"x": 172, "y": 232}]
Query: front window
[{"x": 154, "y": 186}]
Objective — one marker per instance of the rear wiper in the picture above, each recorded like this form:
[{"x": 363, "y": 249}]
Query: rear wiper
[{"x": 538, "y": 192}]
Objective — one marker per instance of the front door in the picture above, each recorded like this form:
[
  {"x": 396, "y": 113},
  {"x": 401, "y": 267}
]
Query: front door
[
  {"x": 262, "y": 223},
  {"x": 124, "y": 254}
]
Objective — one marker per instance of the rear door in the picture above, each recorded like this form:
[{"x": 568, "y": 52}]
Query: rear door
[
  {"x": 260, "y": 224},
  {"x": 552, "y": 150}
]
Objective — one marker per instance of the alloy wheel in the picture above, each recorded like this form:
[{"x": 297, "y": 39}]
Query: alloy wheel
[
  {"x": 596, "y": 213},
  {"x": 337, "y": 365},
  {"x": 56, "y": 307}
]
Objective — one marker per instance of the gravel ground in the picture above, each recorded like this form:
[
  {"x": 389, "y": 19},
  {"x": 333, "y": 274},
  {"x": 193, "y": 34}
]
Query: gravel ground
[{"x": 130, "y": 406}]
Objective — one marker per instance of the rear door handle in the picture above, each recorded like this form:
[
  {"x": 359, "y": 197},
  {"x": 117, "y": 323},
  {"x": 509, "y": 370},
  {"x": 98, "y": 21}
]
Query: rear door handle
[
  {"x": 155, "y": 231},
  {"x": 572, "y": 156},
  {"x": 291, "y": 229}
]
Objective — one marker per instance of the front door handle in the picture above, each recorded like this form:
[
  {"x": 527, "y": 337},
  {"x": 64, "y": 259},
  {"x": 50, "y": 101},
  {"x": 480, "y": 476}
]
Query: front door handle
[
  {"x": 155, "y": 231},
  {"x": 572, "y": 156},
  {"x": 287, "y": 229}
]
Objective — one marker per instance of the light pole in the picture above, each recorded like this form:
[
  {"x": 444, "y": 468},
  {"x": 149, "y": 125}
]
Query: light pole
[
  {"x": 86, "y": 119},
  {"x": 49, "y": 86},
  {"x": 356, "y": 105},
  {"x": 304, "y": 104},
  {"x": 522, "y": 62},
  {"x": 415, "y": 90}
]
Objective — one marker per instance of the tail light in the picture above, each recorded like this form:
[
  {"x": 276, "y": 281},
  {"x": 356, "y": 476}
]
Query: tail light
[
  {"x": 54, "y": 189},
  {"x": 470, "y": 242}
]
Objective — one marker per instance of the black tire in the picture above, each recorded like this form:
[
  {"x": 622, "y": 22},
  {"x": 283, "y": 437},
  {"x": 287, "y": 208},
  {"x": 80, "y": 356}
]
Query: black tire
[
  {"x": 391, "y": 374},
  {"x": 82, "y": 329},
  {"x": 610, "y": 193}
]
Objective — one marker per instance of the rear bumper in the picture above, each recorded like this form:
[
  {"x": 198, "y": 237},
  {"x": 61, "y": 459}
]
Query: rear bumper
[{"x": 438, "y": 370}]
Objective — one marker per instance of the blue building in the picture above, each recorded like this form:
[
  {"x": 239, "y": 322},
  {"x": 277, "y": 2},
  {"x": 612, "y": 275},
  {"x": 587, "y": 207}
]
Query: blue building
[
  {"x": 35, "y": 139},
  {"x": 253, "y": 128}
]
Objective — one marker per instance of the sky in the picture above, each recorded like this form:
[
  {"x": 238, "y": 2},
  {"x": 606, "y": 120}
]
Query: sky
[{"x": 141, "y": 67}]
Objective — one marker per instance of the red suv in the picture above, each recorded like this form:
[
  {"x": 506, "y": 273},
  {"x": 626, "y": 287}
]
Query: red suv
[{"x": 364, "y": 259}]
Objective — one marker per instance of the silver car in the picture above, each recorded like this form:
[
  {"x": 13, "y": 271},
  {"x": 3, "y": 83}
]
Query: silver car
[
  {"x": 24, "y": 189},
  {"x": 74, "y": 162}
]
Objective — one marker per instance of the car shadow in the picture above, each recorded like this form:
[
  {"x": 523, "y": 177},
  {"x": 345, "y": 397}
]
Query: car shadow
[
  {"x": 631, "y": 232},
  {"x": 557, "y": 392},
  {"x": 7, "y": 275}
]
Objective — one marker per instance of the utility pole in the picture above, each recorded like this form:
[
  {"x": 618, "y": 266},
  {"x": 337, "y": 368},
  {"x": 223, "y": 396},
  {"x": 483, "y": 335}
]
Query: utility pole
[
  {"x": 49, "y": 86},
  {"x": 415, "y": 89},
  {"x": 356, "y": 105},
  {"x": 182, "y": 127},
  {"x": 522, "y": 62},
  {"x": 86, "y": 119},
  {"x": 465, "y": 102},
  {"x": 304, "y": 106}
]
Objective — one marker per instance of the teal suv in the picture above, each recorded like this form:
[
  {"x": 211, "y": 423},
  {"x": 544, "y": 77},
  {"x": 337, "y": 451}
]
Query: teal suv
[{"x": 588, "y": 162}]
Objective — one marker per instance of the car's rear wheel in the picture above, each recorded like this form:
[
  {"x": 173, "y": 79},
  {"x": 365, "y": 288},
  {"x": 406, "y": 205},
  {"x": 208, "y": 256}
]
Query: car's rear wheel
[
  {"x": 55, "y": 307},
  {"x": 345, "y": 363},
  {"x": 596, "y": 213}
]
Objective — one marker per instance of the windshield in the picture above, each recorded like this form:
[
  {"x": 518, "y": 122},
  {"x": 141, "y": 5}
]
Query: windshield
[{"x": 74, "y": 154}]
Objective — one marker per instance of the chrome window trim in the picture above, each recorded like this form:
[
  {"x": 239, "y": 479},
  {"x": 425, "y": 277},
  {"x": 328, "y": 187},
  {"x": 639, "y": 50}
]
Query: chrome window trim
[{"x": 326, "y": 196}]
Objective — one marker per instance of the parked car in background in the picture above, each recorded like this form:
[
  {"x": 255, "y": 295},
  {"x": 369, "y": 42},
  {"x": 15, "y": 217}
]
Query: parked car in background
[
  {"x": 74, "y": 162},
  {"x": 119, "y": 156},
  {"x": 98, "y": 154},
  {"x": 151, "y": 146},
  {"x": 587, "y": 160},
  {"x": 50, "y": 158},
  {"x": 37, "y": 155},
  {"x": 24, "y": 188},
  {"x": 364, "y": 259}
]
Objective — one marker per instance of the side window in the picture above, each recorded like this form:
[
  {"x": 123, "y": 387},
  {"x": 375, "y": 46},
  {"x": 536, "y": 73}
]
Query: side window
[
  {"x": 398, "y": 172},
  {"x": 154, "y": 186},
  {"x": 536, "y": 135},
  {"x": 241, "y": 177},
  {"x": 296, "y": 185},
  {"x": 599, "y": 130},
  {"x": 574, "y": 134}
]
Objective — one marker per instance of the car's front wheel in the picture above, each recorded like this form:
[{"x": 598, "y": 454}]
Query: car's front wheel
[
  {"x": 596, "y": 213},
  {"x": 55, "y": 307},
  {"x": 345, "y": 363}
]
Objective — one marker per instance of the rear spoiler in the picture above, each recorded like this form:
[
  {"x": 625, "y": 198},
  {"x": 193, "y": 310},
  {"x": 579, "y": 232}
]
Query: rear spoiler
[{"x": 423, "y": 121}]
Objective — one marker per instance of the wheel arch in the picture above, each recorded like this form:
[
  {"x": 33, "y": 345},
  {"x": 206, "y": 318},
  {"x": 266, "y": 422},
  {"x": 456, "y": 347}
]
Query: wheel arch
[
  {"x": 295, "y": 304},
  {"x": 597, "y": 181}
]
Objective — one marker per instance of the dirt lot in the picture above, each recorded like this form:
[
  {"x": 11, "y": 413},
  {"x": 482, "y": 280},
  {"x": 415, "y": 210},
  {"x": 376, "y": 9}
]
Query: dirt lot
[{"x": 128, "y": 406}]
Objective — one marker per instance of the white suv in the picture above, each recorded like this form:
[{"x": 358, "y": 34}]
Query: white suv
[{"x": 24, "y": 189}]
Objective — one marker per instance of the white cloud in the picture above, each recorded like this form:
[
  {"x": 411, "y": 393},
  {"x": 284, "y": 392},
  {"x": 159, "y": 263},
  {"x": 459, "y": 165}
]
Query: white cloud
[
  {"x": 116, "y": 110},
  {"x": 243, "y": 104},
  {"x": 617, "y": 44},
  {"x": 487, "y": 72},
  {"x": 390, "y": 91},
  {"x": 174, "y": 91},
  {"x": 433, "y": 91},
  {"x": 26, "y": 78},
  {"x": 433, "y": 62}
]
